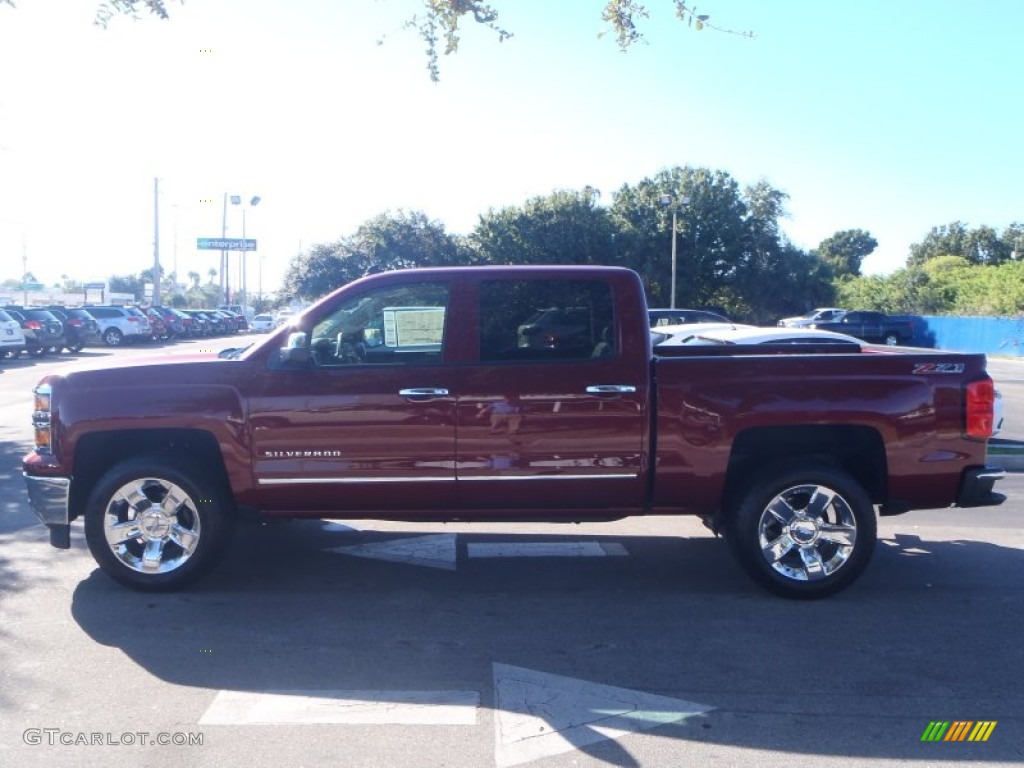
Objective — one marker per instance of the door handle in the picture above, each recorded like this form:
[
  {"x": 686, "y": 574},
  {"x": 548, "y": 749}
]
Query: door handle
[
  {"x": 423, "y": 393},
  {"x": 611, "y": 389}
]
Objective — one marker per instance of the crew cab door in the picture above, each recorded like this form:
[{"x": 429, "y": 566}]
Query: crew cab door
[
  {"x": 368, "y": 422},
  {"x": 552, "y": 410}
]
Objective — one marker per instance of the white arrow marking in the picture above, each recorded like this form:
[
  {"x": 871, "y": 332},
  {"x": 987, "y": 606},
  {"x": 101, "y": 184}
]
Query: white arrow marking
[
  {"x": 343, "y": 707},
  {"x": 546, "y": 549},
  {"x": 539, "y": 715},
  {"x": 435, "y": 551}
]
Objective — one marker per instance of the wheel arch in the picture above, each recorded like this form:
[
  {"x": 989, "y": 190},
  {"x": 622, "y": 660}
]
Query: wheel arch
[
  {"x": 857, "y": 450},
  {"x": 97, "y": 452}
]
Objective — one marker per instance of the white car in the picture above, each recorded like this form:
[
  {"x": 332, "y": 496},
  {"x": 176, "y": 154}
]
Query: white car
[
  {"x": 819, "y": 315},
  {"x": 262, "y": 324},
  {"x": 12, "y": 338},
  {"x": 748, "y": 334},
  {"x": 120, "y": 325}
]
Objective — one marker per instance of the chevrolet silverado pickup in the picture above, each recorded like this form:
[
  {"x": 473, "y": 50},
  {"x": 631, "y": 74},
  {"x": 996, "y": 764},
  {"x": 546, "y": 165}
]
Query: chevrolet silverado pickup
[{"x": 503, "y": 394}]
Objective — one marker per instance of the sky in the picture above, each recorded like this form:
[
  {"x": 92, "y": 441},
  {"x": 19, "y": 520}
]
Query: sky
[{"x": 891, "y": 117}]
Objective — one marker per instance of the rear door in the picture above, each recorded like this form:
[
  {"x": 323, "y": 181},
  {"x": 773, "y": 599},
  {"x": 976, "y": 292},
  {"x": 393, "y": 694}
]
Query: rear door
[{"x": 552, "y": 408}]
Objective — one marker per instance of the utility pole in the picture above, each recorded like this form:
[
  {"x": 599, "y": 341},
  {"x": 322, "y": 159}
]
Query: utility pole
[{"x": 155, "y": 300}]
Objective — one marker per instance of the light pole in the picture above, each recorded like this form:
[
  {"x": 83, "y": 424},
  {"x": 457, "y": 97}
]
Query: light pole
[
  {"x": 237, "y": 200},
  {"x": 671, "y": 201}
]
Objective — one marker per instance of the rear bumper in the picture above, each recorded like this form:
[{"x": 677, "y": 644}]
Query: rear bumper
[
  {"x": 48, "y": 497},
  {"x": 976, "y": 487}
]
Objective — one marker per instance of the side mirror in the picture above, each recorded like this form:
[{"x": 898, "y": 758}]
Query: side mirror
[{"x": 297, "y": 349}]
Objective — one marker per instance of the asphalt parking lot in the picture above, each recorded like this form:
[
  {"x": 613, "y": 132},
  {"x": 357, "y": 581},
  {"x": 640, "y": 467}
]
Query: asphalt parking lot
[{"x": 634, "y": 643}]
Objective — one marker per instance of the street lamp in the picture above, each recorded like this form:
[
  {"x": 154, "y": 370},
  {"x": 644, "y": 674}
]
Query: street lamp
[
  {"x": 671, "y": 201},
  {"x": 237, "y": 200}
]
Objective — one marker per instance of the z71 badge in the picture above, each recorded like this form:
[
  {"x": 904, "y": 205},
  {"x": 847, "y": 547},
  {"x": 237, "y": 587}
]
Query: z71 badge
[{"x": 939, "y": 368}]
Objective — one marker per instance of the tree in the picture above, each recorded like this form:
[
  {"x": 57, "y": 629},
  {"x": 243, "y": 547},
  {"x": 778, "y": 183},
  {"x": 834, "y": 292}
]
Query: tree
[
  {"x": 194, "y": 277},
  {"x": 440, "y": 19},
  {"x": 386, "y": 242},
  {"x": 844, "y": 252},
  {"x": 565, "y": 227},
  {"x": 440, "y": 22},
  {"x": 979, "y": 246}
]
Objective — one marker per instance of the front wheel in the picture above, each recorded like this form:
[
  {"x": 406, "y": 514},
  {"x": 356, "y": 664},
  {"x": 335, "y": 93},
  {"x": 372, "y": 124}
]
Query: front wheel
[
  {"x": 157, "y": 523},
  {"x": 804, "y": 532},
  {"x": 892, "y": 340},
  {"x": 112, "y": 337}
]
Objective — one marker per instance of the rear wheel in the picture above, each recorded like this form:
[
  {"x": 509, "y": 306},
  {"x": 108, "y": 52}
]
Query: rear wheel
[
  {"x": 112, "y": 337},
  {"x": 892, "y": 339},
  {"x": 804, "y": 532},
  {"x": 157, "y": 522}
]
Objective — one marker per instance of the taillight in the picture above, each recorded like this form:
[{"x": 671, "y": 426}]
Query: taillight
[
  {"x": 133, "y": 319},
  {"x": 980, "y": 401},
  {"x": 34, "y": 325}
]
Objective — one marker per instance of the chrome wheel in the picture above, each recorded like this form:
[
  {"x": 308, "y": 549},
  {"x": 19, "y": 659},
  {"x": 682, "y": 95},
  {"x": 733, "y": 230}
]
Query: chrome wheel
[
  {"x": 807, "y": 532},
  {"x": 152, "y": 525},
  {"x": 803, "y": 529},
  {"x": 158, "y": 522},
  {"x": 112, "y": 337}
]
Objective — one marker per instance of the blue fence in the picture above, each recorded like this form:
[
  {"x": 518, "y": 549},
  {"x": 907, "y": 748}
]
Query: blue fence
[{"x": 991, "y": 335}]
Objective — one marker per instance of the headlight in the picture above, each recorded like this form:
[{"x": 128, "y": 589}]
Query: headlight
[{"x": 42, "y": 418}]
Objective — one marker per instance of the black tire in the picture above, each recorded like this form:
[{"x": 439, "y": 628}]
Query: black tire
[
  {"x": 803, "y": 532},
  {"x": 891, "y": 339},
  {"x": 75, "y": 348},
  {"x": 181, "y": 543},
  {"x": 112, "y": 337}
]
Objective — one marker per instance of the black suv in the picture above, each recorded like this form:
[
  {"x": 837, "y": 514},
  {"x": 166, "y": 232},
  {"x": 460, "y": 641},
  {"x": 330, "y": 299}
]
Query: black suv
[
  {"x": 80, "y": 328},
  {"x": 47, "y": 331}
]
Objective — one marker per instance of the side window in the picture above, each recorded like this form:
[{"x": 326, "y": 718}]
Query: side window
[
  {"x": 397, "y": 325},
  {"x": 534, "y": 320}
]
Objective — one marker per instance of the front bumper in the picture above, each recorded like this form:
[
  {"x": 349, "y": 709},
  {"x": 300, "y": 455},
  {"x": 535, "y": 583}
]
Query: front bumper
[
  {"x": 49, "y": 499},
  {"x": 976, "y": 487}
]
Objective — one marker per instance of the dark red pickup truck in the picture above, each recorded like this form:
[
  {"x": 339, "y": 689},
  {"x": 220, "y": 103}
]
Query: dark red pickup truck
[{"x": 508, "y": 393}]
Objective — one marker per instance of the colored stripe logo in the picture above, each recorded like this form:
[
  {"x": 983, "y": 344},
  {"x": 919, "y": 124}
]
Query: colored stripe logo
[{"x": 959, "y": 730}]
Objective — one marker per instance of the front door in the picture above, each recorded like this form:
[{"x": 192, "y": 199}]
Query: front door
[{"x": 369, "y": 424}]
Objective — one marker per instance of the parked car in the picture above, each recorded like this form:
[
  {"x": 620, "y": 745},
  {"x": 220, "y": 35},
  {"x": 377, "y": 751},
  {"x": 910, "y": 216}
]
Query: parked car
[
  {"x": 80, "y": 328},
  {"x": 173, "y": 320},
  {"x": 235, "y": 323},
  {"x": 201, "y": 325},
  {"x": 262, "y": 324},
  {"x": 120, "y": 325},
  {"x": 819, "y": 315},
  {"x": 874, "y": 327},
  {"x": 753, "y": 335},
  {"x": 48, "y": 330},
  {"x": 157, "y": 326},
  {"x": 660, "y": 317},
  {"x": 12, "y": 337}
]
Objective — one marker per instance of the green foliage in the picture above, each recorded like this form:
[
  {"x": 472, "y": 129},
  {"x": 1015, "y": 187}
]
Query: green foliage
[
  {"x": 440, "y": 19},
  {"x": 386, "y": 242},
  {"x": 844, "y": 252},
  {"x": 942, "y": 285},
  {"x": 566, "y": 227},
  {"x": 110, "y": 8},
  {"x": 979, "y": 246}
]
